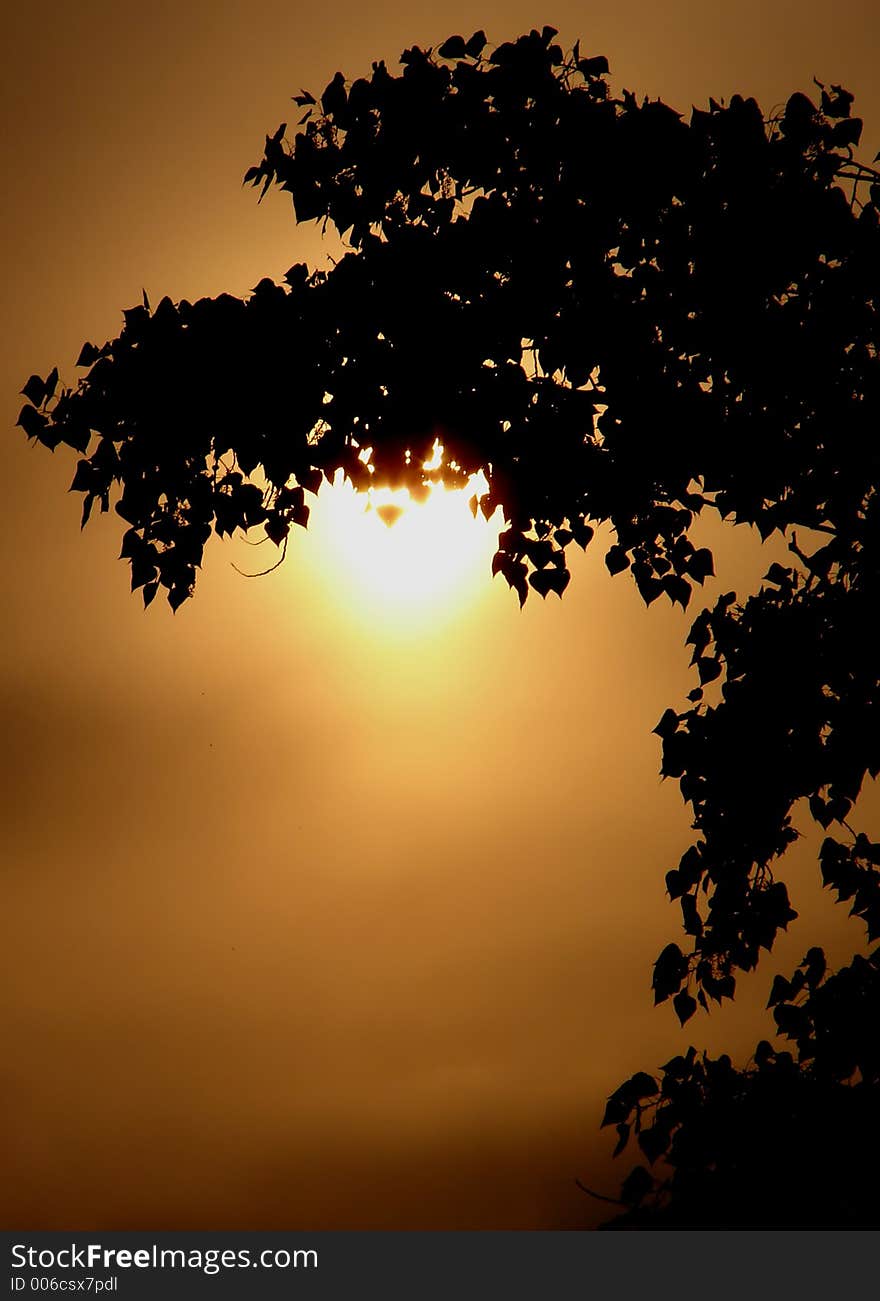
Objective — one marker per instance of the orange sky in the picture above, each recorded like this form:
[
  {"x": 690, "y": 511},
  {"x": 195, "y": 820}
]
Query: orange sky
[{"x": 318, "y": 919}]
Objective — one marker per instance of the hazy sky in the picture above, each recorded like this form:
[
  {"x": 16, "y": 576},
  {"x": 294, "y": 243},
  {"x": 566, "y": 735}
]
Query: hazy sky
[{"x": 317, "y": 917}]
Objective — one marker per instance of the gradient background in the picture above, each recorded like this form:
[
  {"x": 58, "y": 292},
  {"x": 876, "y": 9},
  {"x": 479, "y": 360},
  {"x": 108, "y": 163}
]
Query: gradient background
[{"x": 314, "y": 920}]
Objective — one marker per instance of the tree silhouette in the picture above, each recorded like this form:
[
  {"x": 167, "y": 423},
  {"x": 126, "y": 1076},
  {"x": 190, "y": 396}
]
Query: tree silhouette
[{"x": 619, "y": 316}]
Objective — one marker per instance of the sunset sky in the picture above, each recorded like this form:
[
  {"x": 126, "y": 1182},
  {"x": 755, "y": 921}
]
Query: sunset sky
[{"x": 330, "y": 903}]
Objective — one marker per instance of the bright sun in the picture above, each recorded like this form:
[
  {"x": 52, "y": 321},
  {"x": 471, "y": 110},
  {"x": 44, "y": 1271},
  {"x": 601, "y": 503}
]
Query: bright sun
[{"x": 402, "y": 561}]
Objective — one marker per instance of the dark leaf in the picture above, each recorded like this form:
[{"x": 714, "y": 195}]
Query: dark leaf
[
  {"x": 595, "y": 67},
  {"x": 701, "y": 565},
  {"x": 45, "y": 431},
  {"x": 582, "y": 532},
  {"x": 84, "y": 477},
  {"x": 617, "y": 1109},
  {"x": 475, "y": 46},
  {"x": 685, "y": 1006},
  {"x": 617, "y": 560},
  {"x": 453, "y": 48},
  {"x": 763, "y": 1053},
  {"x": 668, "y": 724},
  {"x": 693, "y": 924},
  {"x": 35, "y": 391},
  {"x": 848, "y": 131},
  {"x": 678, "y": 590},
  {"x": 549, "y": 580},
  {"x": 815, "y": 965},
  {"x": 640, "y": 1086},
  {"x": 176, "y": 596},
  {"x": 708, "y": 668},
  {"x": 670, "y": 970},
  {"x": 87, "y": 355},
  {"x": 780, "y": 992},
  {"x": 778, "y": 575},
  {"x": 653, "y": 1142}
]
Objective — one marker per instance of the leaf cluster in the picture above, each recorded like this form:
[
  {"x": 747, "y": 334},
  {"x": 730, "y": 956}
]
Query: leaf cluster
[
  {"x": 616, "y": 314},
  {"x": 620, "y": 316},
  {"x": 790, "y": 1141}
]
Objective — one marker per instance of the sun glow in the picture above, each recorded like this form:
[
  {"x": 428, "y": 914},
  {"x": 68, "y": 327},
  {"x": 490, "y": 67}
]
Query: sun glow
[{"x": 402, "y": 562}]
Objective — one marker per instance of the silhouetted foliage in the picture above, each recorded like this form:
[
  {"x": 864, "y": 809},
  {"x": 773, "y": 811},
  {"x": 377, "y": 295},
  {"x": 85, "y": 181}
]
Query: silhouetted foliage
[
  {"x": 787, "y": 1142},
  {"x": 620, "y": 316}
]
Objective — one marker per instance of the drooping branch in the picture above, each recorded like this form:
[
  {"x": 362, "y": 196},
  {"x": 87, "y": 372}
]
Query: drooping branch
[{"x": 618, "y": 316}]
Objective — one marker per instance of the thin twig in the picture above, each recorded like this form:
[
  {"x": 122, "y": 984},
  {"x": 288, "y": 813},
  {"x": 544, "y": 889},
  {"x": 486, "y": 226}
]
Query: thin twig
[
  {"x": 600, "y": 1197},
  {"x": 263, "y": 572}
]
